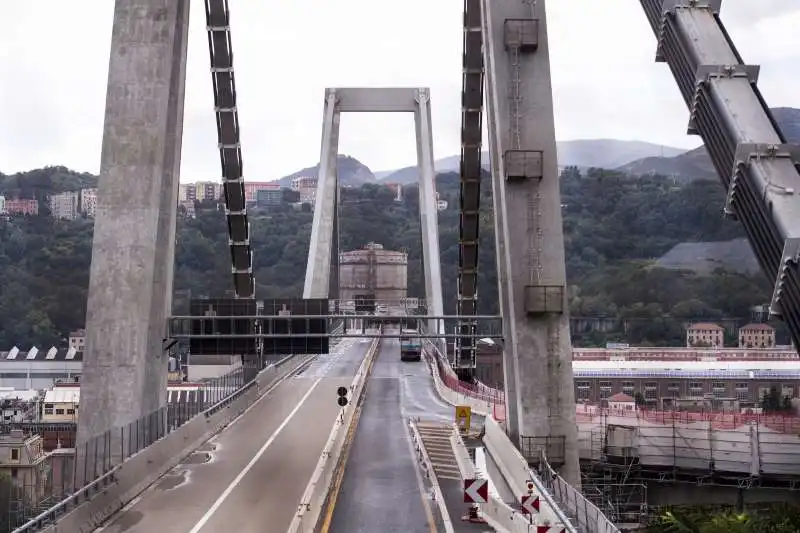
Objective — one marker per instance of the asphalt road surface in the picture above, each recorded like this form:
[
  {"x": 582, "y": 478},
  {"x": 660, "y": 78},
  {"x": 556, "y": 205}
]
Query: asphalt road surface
[
  {"x": 383, "y": 488},
  {"x": 251, "y": 476}
]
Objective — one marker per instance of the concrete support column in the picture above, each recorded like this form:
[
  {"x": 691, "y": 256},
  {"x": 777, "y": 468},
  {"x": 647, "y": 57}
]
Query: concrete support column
[
  {"x": 528, "y": 227},
  {"x": 318, "y": 270},
  {"x": 130, "y": 291},
  {"x": 428, "y": 214}
]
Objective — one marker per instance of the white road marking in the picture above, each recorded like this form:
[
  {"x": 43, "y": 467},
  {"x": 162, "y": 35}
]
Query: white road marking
[{"x": 222, "y": 497}]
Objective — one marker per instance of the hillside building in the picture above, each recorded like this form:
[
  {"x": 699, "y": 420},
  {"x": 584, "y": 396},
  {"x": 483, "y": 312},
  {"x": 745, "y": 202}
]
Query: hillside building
[
  {"x": 21, "y": 206},
  {"x": 705, "y": 334},
  {"x": 757, "y": 336},
  {"x": 89, "y": 202},
  {"x": 66, "y": 205}
]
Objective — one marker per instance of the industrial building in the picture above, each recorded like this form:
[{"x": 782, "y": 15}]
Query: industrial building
[
  {"x": 668, "y": 378},
  {"x": 38, "y": 369},
  {"x": 373, "y": 274}
]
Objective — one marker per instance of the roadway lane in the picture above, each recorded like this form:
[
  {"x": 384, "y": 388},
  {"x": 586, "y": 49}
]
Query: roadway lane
[
  {"x": 420, "y": 399},
  {"x": 382, "y": 488},
  {"x": 250, "y": 477}
]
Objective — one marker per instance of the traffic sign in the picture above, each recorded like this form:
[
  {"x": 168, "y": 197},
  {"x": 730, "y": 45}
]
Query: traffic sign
[
  {"x": 463, "y": 417},
  {"x": 530, "y": 504},
  {"x": 341, "y": 392},
  {"x": 476, "y": 491},
  {"x": 529, "y": 484}
]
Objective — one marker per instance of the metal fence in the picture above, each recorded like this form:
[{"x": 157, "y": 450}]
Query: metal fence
[
  {"x": 46, "y": 488},
  {"x": 584, "y": 514}
]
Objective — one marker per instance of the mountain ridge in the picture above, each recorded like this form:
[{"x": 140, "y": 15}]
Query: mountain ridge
[{"x": 696, "y": 164}]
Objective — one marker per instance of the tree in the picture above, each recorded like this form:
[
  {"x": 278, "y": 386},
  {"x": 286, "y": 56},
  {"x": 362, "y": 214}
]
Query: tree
[
  {"x": 781, "y": 519},
  {"x": 638, "y": 397},
  {"x": 613, "y": 228}
]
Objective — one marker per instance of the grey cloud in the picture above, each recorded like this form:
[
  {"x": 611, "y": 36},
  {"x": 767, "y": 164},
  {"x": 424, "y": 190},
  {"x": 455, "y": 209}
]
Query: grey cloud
[{"x": 605, "y": 81}]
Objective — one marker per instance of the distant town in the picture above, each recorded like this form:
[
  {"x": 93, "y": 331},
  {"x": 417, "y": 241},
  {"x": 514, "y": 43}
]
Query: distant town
[{"x": 82, "y": 203}]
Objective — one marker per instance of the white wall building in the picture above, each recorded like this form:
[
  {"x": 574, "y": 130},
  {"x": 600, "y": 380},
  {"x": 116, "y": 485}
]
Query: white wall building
[
  {"x": 65, "y": 205},
  {"x": 89, "y": 202}
]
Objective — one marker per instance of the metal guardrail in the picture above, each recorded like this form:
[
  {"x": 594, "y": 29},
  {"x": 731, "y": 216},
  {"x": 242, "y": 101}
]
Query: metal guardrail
[
  {"x": 571, "y": 502},
  {"x": 85, "y": 493}
]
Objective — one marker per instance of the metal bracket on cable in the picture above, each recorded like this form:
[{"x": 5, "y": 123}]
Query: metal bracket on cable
[
  {"x": 707, "y": 73},
  {"x": 745, "y": 154},
  {"x": 670, "y": 6}
]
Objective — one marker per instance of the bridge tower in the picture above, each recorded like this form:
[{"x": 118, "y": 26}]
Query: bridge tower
[
  {"x": 124, "y": 374},
  {"x": 540, "y": 397},
  {"x": 323, "y": 253}
]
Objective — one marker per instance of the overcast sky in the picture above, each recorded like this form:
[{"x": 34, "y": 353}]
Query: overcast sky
[{"x": 54, "y": 64}]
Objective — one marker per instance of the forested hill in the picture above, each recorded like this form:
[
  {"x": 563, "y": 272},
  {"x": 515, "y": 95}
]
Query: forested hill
[{"x": 614, "y": 228}]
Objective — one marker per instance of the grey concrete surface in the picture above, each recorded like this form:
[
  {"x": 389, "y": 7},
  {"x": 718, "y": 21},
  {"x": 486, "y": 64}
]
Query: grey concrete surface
[
  {"x": 130, "y": 288},
  {"x": 530, "y": 237},
  {"x": 381, "y": 490},
  {"x": 250, "y": 477}
]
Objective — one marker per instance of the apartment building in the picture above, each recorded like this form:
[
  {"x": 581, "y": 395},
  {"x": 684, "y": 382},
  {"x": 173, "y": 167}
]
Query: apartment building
[
  {"x": 252, "y": 190},
  {"x": 21, "y": 206},
  {"x": 89, "y": 202},
  {"x": 207, "y": 191},
  {"x": 187, "y": 192},
  {"x": 23, "y": 461},
  {"x": 757, "y": 336},
  {"x": 66, "y": 205},
  {"x": 77, "y": 340},
  {"x": 307, "y": 187},
  {"x": 269, "y": 197},
  {"x": 705, "y": 334}
]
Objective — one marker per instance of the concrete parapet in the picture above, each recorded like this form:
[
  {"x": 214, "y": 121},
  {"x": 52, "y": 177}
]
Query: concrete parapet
[
  {"x": 164, "y": 454},
  {"x": 317, "y": 491},
  {"x": 453, "y": 397},
  {"x": 515, "y": 470},
  {"x": 497, "y": 513}
]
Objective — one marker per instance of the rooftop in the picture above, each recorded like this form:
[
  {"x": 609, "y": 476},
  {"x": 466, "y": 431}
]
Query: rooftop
[
  {"x": 706, "y": 325},
  {"x": 621, "y": 397}
]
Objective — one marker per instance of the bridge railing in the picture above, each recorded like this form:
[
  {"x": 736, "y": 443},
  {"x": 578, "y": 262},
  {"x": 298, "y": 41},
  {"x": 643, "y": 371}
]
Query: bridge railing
[
  {"x": 584, "y": 514},
  {"x": 450, "y": 379},
  {"x": 52, "y": 492}
]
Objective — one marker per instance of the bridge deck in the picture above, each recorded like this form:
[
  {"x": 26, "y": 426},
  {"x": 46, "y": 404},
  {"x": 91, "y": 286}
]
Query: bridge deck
[
  {"x": 258, "y": 468},
  {"x": 382, "y": 489}
]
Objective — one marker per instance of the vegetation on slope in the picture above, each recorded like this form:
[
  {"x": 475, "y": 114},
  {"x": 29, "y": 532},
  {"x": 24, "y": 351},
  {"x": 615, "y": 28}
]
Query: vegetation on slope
[{"x": 614, "y": 228}]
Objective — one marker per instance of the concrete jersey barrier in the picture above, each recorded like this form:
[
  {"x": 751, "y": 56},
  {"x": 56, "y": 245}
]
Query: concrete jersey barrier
[
  {"x": 497, "y": 513},
  {"x": 477, "y": 406},
  {"x": 317, "y": 492},
  {"x": 516, "y": 472},
  {"x": 166, "y": 453}
]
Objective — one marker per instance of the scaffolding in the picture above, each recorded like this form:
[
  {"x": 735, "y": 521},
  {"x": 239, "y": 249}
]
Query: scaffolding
[{"x": 610, "y": 479}]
